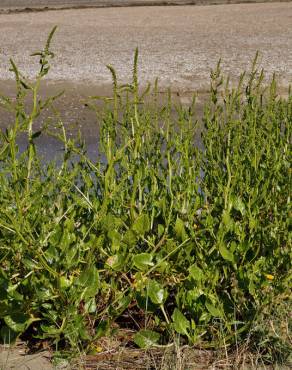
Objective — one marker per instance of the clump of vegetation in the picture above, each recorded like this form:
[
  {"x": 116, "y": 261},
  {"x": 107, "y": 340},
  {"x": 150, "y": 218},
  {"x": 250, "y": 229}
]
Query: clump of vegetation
[{"x": 157, "y": 234}]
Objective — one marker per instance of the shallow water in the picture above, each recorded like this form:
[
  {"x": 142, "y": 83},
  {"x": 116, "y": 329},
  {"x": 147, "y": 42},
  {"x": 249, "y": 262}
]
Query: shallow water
[{"x": 75, "y": 115}]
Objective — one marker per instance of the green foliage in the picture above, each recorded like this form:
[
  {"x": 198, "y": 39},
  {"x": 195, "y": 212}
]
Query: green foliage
[
  {"x": 197, "y": 240},
  {"x": 146, "y": 338},
  {"x": 180, "y": 323}
]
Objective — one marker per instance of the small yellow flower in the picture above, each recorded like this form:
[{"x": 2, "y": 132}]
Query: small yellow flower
[
  {"x": 270, "y": 277},
  {"x": 95, "y": 349}
]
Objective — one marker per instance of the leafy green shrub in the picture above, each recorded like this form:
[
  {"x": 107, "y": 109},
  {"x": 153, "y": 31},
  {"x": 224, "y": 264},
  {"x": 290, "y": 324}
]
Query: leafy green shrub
[{"x": 187, "y": 240}]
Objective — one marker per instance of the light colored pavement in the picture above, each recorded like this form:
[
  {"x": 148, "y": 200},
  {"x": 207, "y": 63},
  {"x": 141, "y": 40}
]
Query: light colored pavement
[{"x": 178, "y": 44}]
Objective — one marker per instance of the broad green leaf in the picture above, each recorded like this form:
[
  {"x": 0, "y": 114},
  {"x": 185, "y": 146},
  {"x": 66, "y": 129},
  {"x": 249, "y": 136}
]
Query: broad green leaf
[
  {"x": 253, "y": 223},
  {"x": 244, "y": 246},
  {"x": 239, "y": 205},
  {"x": 67, "y": 239},
  {"x": 64, "y": 282},
  {"x": 214, "y": 311},
  {"x": 29, "y": 263},
  {"x": 130, "y": 238},
  {"x": 102, "y": 329},
  {"x": 252, "y": 287},
  {"x": 52, "y": 254},
  {"x": 90, "y": 305},
  {"x": 115, "y": 238},
  {"x": 227, "y": 220},
  {"x": 146, "y": 338},
  {"x": 161, "y": 264},
  {"x": 55, "y": 238},
  {"x": 180, "y": 229},
  {"x": 156, "y": 292},
  {"x": 145, "y": 303},
  {"x": 180, "y": 323},
  {"x": 204, "y": 317},
  {"x": 44, "y": 294},
  {"x": 18, "y": 322},
  {"x": 141, "y": 225},
  {"x": 70, "y": 256},
  {"x": 109, "y": 222},
  {"x": 232, "y": 246},
  {"x": 116, "y": 262},
  {"x": 195, "y": 272},
  {"x": 143, "y": 260},
  {"x": 226, "y": 253},
  {"x": 51, "y": 329},
  {"x": 160, "y": 230},
  {"x": 194, "y": 294},
  {"x": 13, "y": 293},
  {"x": 89, "y": 279},
  {"x": 82, "y": 330},
  {"x": 123, "y": 303}
]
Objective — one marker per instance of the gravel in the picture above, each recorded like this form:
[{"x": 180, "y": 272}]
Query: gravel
[{"x": 178, "y": 44}]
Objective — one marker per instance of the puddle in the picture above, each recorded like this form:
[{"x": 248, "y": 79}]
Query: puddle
[{"x": 74, "y": 113}]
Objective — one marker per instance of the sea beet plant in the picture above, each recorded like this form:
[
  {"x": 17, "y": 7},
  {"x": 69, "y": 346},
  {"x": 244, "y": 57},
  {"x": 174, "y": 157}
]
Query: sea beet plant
[{"x": 157, "y": 233}]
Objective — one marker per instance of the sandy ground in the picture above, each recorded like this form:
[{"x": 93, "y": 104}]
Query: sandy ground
[
  {"x": 37, "y": 4},
  {"x": 178, "y": 44},
  {"x": 16, "y": 358}
]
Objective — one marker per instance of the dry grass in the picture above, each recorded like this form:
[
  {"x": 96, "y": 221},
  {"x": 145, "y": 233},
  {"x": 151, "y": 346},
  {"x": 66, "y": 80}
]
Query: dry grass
[
  {"x": 118, "y": 355},
  {"x": 174, "y": 358}
]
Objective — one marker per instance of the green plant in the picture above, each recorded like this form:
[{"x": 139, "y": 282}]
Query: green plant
[{"x": 184, "y": 240}]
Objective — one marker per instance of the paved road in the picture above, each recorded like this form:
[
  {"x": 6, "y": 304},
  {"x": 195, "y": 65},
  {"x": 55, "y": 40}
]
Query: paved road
[{"x": 178, "y": 44}]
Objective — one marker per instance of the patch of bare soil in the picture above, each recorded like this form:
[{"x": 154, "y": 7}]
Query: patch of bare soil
[
  {"x": 17, "y": 358},
  {"x": 111, "y": 354},
  {"x": 31, "y": 5}
]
